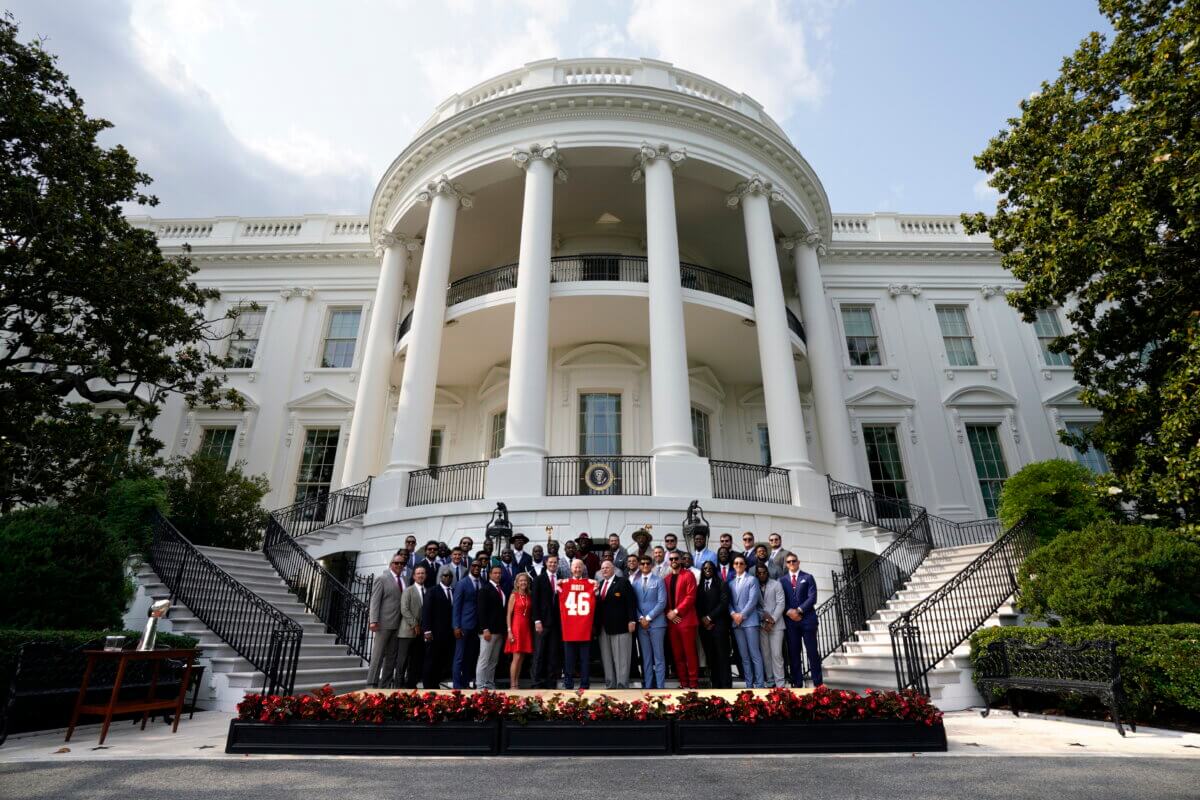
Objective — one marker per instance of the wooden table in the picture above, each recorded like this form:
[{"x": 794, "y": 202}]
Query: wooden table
[{"x": 115, "y": 704}]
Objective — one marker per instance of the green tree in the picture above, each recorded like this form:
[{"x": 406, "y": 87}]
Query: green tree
[
  {"x": 1052, "y": 496},
  {"x": 1100, "y": 192},
  {"x": 90, "y": 309},
  {"x": 215, "y": 505},
  {"x": 1113, "y": 574}
]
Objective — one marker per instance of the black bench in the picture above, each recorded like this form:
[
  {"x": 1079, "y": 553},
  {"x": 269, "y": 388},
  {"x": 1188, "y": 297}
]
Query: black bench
[
  {"x": 46, "y": 679},
  {"x": 1089, "y": 668}
]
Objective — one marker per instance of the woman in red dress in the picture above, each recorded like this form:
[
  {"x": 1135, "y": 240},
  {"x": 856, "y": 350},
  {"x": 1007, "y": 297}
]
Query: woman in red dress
[{"x": 520, "y": 631}]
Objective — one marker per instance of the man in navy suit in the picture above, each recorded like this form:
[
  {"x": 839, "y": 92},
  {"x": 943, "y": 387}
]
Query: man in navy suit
[
  {"x": 465, "y": 619},
  {"x": 437, "y": 621},
  {"x": 508, "y": 571},
  {"x": 521, "y": 559},
  {"x": 800, "y": 619}
]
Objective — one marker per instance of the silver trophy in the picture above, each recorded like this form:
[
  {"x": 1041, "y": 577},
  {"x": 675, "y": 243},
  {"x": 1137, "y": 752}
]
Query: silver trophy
[{"x": 150, "y": 635}]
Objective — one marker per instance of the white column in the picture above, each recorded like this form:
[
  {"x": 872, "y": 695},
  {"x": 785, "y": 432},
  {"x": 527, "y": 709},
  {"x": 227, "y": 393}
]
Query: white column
[
  {"x": 518, "y": 470},
  {"x": 785, "y": 416},
  {"x": 833, "y": 424},
  {"x": 678, "y": 471},
  {"x": 414, "y": 408},
  {"x": 370, "y": 405}
]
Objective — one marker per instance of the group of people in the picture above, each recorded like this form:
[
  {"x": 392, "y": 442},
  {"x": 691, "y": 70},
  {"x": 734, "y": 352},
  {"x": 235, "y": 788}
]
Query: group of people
[{"x": 448, "y": 610}]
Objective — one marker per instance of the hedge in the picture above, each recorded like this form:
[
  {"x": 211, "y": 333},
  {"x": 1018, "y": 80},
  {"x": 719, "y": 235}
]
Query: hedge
[
  {"x": 1160, "y": 664},
  {"x": 11, "y": 640}
]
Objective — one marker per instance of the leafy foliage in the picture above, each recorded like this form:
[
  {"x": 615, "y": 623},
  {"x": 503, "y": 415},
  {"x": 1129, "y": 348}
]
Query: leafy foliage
[
  {"x": 90, "y": 309},
  {"x": 1054, "y": 496},
  {"x": 1100, "y": 214},
  {"x": 1113, "y": 574},
  {"x": 127, "y": 511},
  {"x": 215, "y": 505}
]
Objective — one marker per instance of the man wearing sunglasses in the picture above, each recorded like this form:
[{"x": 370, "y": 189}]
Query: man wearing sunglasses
[
  {"x": 383, "y": 619},
  {"x": 800, "y": 620},
  {"x": 682, "y": 621}
]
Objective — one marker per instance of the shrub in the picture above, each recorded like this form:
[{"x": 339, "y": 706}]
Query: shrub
[
  {"x": 11, "y": 640},
  {"x": 215, "y": 505},
  {"x": 1053, "y": 496},
  {"x": 1114, "y": 574},
  {"x": 60, "y": 569},
  {"x": 127, "y": 508},
  {"x": 1160, "y": 664}
]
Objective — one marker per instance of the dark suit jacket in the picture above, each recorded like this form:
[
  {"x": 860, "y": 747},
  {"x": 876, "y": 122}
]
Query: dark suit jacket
[
  {"x": 714, "y": 602},
  {"x": 545, "y": 602},
  {"x": 437, "y": 614},
  {"x": 617, "y": 608},
  {"x": 803, "y": 597},
  {"x": 523, "y": 561},
  {"x": 431, "y": 570},
  {"x": 508, "y": 576},
  {"x": 493, "y": 614}
]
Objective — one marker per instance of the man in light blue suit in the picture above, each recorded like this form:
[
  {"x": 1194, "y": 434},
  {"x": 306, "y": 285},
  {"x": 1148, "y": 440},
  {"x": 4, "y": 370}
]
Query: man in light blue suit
[
  {"x": 465, "y": 619},
  {"x": 744, "y": 595},
  {"x": 651, "y": 595}
]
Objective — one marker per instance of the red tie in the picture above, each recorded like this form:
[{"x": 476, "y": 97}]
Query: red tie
[
  {"x": 793, "y": 582},
  {"x": 604, "y": 591}
]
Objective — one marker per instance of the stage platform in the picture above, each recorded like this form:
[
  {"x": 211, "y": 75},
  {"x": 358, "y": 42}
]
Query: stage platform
[{"x": 624, "y": 695}]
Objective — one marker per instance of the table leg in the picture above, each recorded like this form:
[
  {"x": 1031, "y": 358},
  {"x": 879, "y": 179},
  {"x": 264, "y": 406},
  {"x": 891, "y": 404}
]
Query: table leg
[
  {"x": 153, "y": 687},
  {"x": 112, "y": 698},
  {"x": 87, "y": 676},
  {"x": 187, "y": 677}
]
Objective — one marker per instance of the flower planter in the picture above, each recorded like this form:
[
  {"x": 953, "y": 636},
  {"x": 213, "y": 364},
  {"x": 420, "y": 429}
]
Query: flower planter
[
  {"x": 837, "y": 736},
  {"x": 651, "y": 737},
  {"x": 365, "y": 738}
]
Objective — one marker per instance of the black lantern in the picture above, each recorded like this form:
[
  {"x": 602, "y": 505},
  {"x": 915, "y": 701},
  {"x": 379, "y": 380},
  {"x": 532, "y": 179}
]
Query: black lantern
[
  {"x": 499, "y": 529},
  {"x": 694, "y": 522}
]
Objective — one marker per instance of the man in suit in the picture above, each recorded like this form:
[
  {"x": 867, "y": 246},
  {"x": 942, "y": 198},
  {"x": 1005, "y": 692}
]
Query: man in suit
[
  {"x": 383, "y": 619},
  {"x": 777, "y": 555},
  {"x": 437, "y": 622},
  {"x": 458, "y": 566},
  {"x": 465, "y": 619},
  {"x": 701, "y": 553},
  {"x": 725, "y": 540},
  {"x": 430, "y": 561},
  {"x": 712, "y": 608},
  {"x": 670, "y": 545},
  {"x": 493, "y": 629},
  {"x": 744, "y": 596},
  {"x": 521, "y": 559},
  {"x": 537, "y": 562},
  {"x": 682, "y": 621},
  {"x": 724, "y": 564},
  {"x": 619, "y": 554},
  {"x": 410, "y": 652},
  {"x": 508, "y": 571},
  {"x": 652, "y": 623},
  {"x": 616, "y": 618},
  {"x": 546, "y": 665},
  {"x": 466, "y": 544},
  {"x": 800, "y": 618},
  {"x": 762, "y": 556},
  {"x": 660, "y": 568},
  {"x": 748, "y": 550},
  {"x": 770, "y": 626},
  {"x": 641, "y": 537}
]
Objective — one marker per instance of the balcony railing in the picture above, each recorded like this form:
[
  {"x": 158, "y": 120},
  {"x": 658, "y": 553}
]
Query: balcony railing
[
  {"x": 795, "y": 325},
  {"x": 597, "y": 475},
  {"x": 733, "y": 480},
  {"x": 404, "y": 326},
  {"x": 450, "y": 483}
]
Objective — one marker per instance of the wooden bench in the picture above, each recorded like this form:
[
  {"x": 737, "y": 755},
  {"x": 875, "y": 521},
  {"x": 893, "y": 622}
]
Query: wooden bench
[{"x": 1089, "y": 668}]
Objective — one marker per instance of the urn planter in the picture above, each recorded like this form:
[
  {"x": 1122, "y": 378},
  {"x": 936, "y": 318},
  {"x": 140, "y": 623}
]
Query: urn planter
[
  {"x": 365, "y": 738},
  {"x": 651, "y": 737},
  {"x": 849, "y": 736}
]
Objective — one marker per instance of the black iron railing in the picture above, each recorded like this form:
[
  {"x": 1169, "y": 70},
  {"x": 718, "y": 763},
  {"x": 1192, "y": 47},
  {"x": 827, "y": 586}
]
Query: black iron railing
[
  {"x": 932, "y": 629},
  {"x": 447, "y": 484},
  {"x": 498, "y": 279},
  {"x": 703, "y": 279},
  {"x": 947, "y": 533},
  {"x": 404, "y": 326},
  {"x": 323, "y": 509},
  {"x": 597, "y": 475},
  {"x": 795, "y": 325},
  {"x": 733, "y": 480},
  {"x": 255, "y": 629},
  {"x": 598, "y": 267},
  {"x": 891, "y": 513}
]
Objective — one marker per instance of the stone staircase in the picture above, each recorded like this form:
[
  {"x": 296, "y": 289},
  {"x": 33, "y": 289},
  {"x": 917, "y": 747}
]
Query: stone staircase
[
  {"x": 867, "y": 661},
  {"x": 321, "y": 661},
  {"x": 334, "y": 531}
]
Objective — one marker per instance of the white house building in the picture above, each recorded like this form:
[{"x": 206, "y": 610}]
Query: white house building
[{"x": 598, "y": 289}]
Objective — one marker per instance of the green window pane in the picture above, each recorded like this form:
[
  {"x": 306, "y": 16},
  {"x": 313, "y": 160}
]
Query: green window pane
[
  {"x": 862, "y": 341},
  {"x": 1092, "y": 458},
  {"x": 956, "y": 333},
  {"x": 217, "y": 443},
  {"x": 1048, "y": 328},
  {"x": 886, "y": 466},
  {"x": 316, "y": 463},
  {"x": 989, "y": 463},
  {"x": 435, "y": 447}
]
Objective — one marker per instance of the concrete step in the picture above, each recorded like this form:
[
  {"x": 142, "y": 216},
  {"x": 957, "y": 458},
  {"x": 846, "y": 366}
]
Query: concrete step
[
  {"x": 224, "y": 554},
  {"x": 304, "y": 662},
  {"x": 306, "y": 680}
]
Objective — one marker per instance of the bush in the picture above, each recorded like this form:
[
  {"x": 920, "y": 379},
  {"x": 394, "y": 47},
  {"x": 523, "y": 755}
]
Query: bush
[
  {"x": 1114, "y": 574},
  {"x": 1053, "y": 496},
  {"x": 11, "y": 640},
  {"x": 127, "y": 508},
  {"x": 1160, "y": 664},
  {"x": 60, "y": 569},
  {"x": 214, "y": 505}
]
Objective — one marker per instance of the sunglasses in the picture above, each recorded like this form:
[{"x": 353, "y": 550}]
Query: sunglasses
[
  {"x": 397, "y": 563},
  {"x": 791, "y": 561}
]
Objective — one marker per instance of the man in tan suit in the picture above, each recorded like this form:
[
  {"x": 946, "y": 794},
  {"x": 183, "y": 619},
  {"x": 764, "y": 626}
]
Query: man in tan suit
[
  {"x": 410, "y": 642},
  {"x": 383, "y": 619}
]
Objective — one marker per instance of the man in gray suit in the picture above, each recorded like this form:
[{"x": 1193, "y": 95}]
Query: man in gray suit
[
  {"x": 777, "y": 556},
  {"x": 383, "y": 619},
  {"x": 411, "y": 603},
  {"x": 619, "y": 554},
  {"x": 770, "y": 629}
]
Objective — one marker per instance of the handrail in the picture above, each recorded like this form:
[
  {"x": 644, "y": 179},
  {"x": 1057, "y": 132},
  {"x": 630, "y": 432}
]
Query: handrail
[
  {"x": 255, "y": 629},
  {"x": 931, "y": 630},
  {"x": 446, "y": 483},
  {"x": 735, "y": 480},
  {"x": 344, "y": 614},
  {"x": 873, "y": 508},
  {"x": 584, "y": 475}
]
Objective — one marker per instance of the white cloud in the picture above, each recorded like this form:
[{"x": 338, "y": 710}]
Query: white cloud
[
  {"x": 984, "y": 193},
  {"x": 448, "y": 70}
]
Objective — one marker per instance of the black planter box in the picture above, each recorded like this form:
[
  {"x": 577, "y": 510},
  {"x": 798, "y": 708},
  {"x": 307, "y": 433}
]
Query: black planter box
[
  {"x": 651, "y": 737},
  {"x": 365, "y": 739},
  {"x": 851, "y": 736}
]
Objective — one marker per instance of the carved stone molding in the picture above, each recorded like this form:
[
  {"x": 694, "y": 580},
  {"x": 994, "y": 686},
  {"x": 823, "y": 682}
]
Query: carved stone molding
[
  {"x": 812, "y": 239},
  {"x": 755, "y": 185},
  {"x": 895, "y": 289},
  {"x": 385, "y": 240},
  {"x": 444, "y": 186},
  {"x": 648, "y": 152},
  {"x": 305, "y": 292},
  {"x": 548, "y": 153},
  {"x": 992, "y": 289}
]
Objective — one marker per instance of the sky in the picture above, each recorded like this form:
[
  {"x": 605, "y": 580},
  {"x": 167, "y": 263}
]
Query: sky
[{"x": 282, "y": 107}]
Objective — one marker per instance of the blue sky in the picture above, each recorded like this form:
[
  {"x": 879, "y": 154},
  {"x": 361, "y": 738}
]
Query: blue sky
[{"x": 247, "y": 107}]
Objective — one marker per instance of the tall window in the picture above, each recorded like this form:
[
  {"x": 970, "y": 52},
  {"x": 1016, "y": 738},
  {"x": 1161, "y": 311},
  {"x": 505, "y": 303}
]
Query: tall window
[
  {"x": 887, "y": 469},
  {"x": 1092, "y": 458},
  {"x": 316, "y": 464},
  {"x": 243, "y": 345},
  {"x": 600, "y": 424},
  {"x": 956, "y": 333},
  {"x": 862, "y": 341},
  {"x": 435, "y": 446},
  {"x": 989, "y": 463},
  {"x": 340, "y": 336},
  {"x": 700, "y": 436},
  {"x": 496, "y": 440},
  {"x": 1048, "y": 328},
  {"x": 764, "y": 445},
  {"x": 217, "y": 443}
]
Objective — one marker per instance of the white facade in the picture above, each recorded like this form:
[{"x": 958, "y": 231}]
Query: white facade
[{"x": 594, "y": 180}]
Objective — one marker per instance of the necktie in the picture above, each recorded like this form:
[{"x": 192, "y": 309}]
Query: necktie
[
  {"x": 793, "y": 581},
  {"x": 645, "y": 583},
  {"x": 448, "y": 596},
  {"x": 475, "y": 581},
  {"x": 707, "y": 584}
]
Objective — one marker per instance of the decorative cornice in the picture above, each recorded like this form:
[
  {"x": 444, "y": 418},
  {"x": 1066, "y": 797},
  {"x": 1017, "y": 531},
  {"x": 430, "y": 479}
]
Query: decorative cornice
[
  {"x": 306, "y": 292},
  {"x": 648, "y": 152},
  {"x": 755, "y": 185},
  {"x": 895, "y": 289},
  {"x": 549, "y": 153},
  {"x": 385, "y": 240},
  {"x": 892, "y": 251},
  {"x": 992, "y": 289},
  {"x": 812, "y": 239},
  {"x": 444, "y": 186}
]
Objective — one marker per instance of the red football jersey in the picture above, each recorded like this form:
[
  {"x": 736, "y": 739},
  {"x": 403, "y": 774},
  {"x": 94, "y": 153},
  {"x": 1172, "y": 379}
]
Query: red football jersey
[{"x": 576, "y": 608}]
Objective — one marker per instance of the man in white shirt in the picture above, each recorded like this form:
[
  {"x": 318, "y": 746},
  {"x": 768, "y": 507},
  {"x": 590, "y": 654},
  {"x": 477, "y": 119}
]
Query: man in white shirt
[
  {"x": 660, "y": 567},
  {"x": 538, "y": 563}
]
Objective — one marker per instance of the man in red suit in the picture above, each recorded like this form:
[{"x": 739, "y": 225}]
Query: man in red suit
[{"x": 682, "y": 622}]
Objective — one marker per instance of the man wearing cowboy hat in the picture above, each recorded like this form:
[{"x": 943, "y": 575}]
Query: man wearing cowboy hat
[
  {"x": 521, "y": 559},
  {"x": 641, "y": 537},
  {"x": 591, "y": 561}
]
